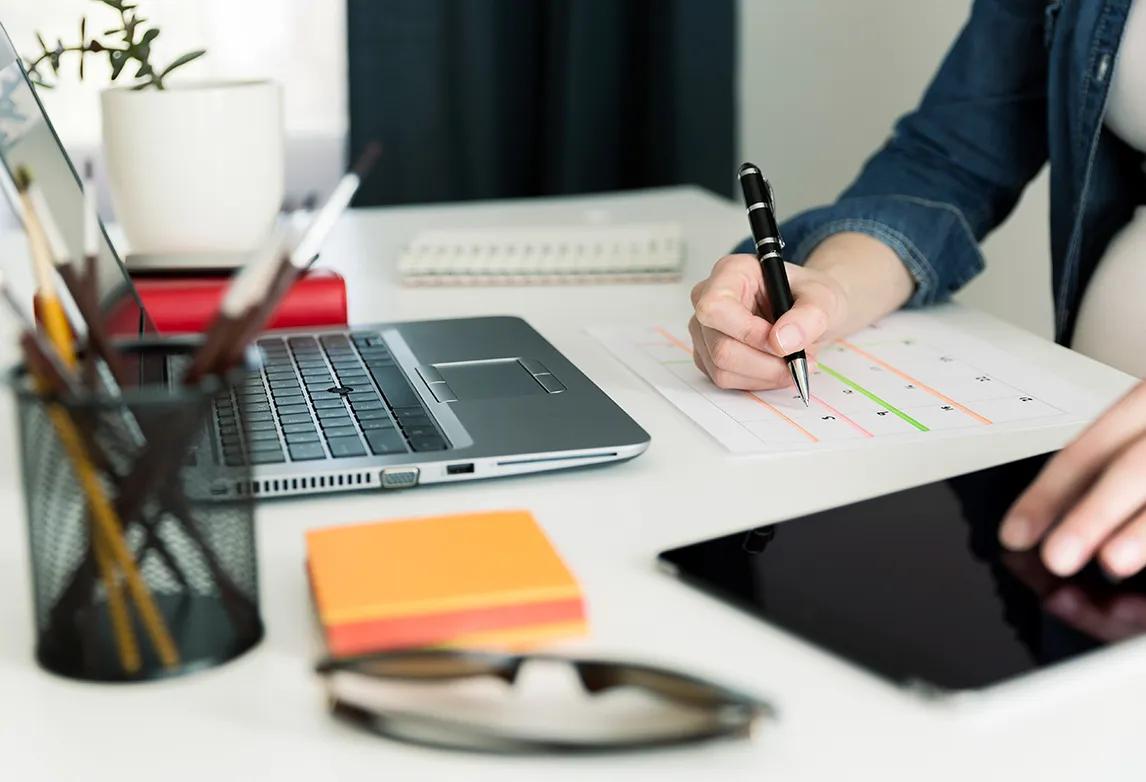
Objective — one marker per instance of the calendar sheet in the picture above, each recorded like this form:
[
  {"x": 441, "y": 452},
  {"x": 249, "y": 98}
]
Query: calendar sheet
[{"x": 906, "y": 377}]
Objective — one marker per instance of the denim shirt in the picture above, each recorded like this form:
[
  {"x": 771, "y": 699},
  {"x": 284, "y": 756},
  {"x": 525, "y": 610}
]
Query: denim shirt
[{"x": 1025, "y": 82}]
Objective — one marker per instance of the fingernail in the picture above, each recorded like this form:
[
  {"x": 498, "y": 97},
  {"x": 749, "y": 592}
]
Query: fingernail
[
  {"x": 1015, "y": 533},
  {"x": 790, "y": 338},
  {"x": 1125, "y": 556},
  {"x": 1063, "y": 554}
]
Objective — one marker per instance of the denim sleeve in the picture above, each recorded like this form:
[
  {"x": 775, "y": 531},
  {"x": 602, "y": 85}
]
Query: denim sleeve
[{"x": 954, "y": 168}]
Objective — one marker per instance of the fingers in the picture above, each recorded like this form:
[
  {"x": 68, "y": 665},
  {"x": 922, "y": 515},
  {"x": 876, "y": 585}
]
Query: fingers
[
  {"x": 725, "y": 301},
  {"x": 1115, "y": 497},
  {"x": 817, "y": 306},
  {"x": 734, "y": 365},
  {"x": 1125, "y": 553},
  {"x": 1067, "y": 476}
]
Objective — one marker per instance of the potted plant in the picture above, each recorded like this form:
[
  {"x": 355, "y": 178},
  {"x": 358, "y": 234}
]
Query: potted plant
[{"x": 195, "y": 169}]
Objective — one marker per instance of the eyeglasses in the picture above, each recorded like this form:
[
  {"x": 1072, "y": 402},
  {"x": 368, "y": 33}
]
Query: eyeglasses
[{"x": 507, "y": 704}]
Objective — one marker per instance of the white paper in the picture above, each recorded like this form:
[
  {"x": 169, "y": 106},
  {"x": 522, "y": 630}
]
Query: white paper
[{"x": 905, "y": 378}]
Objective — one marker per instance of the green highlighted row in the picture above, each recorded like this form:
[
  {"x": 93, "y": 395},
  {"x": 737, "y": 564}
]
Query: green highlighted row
[{"x": 852, "y": 384}]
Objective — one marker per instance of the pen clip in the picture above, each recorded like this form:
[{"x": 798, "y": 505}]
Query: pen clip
[{"x": 771, "y": 194}]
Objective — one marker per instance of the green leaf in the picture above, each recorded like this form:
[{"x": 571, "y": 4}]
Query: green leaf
[
  {"x": 149, "y": 36},
  {"x": 181, "y": 61},
  {"x": 118, "y": 62}
]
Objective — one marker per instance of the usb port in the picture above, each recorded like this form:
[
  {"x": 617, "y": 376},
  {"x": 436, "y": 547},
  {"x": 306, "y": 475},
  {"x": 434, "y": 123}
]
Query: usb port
[{"x": 460, "y": 469}]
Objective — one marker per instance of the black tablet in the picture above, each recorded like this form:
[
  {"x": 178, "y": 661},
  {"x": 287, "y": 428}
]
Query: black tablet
[{"x": 914, "y": 587}]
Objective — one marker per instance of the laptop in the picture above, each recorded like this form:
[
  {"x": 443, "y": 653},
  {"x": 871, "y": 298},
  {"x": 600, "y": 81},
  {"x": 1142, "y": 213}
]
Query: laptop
[{"x": 384, "y": 405}]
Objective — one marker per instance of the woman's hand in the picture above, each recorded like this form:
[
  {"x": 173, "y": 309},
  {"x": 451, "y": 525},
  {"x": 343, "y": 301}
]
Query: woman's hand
[
  {"x": 849, "y": 281},
  {"x": 1090, "y": 500},
  {"x": 733, "y": 341}
]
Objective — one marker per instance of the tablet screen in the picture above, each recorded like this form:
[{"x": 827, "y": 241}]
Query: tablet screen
[{"x": 913, "y": 586}]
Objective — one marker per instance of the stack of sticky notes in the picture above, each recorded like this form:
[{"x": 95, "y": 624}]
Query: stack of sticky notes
[{"x": 477, "y": 580}]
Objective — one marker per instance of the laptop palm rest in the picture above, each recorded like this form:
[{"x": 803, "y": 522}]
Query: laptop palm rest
[{"x": 489, "y": 379}]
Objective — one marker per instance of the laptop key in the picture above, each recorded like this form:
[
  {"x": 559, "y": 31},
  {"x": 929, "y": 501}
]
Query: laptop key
[
  {"x": 261, "y": 426},
  {"x": 331, "y": 412},
  {"x": 366, "y": 404},
  {"x": 298, "y": 418},
  {"x": 267, "y": 457},
  {"x": 334, "y": 423},
  {"x": 265, "y": 434},
  {"x": 415, "y": 432},
  {"x": 342, "y": 447},
  {"x": 261, "y": 416},
  {"x": 330, "y": 403},
  {"x": 294, "y": 438},
  {"x": 383, "y": 441},
  {"x": 292, "y": 409},
  {"x": 303, "y": 452},
  {"x": 369, "y": 415},
  {"x": 394, "y": 386},
  {"x": 339, "y": 431},
  {"x": 376, "y": 423},
  {"x": 263, "y": 444},
  {"x": 428, "y": 444},
  {"x": 298, "y": 428}
]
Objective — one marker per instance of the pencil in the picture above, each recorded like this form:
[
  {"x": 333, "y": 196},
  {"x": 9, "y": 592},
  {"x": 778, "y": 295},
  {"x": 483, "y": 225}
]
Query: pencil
[
  {"x": 98, "y": 341},
  {"x": 49, "y": 378},
  {"x": 107, "y": 523},
  {"x": 50, "y": 310}
]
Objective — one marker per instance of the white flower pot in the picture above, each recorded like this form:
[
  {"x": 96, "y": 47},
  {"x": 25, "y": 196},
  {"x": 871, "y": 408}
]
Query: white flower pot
[{"x": 195, "y": 169}]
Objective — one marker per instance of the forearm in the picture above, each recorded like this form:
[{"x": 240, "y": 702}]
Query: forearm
[{"x": 873, "y": 278}]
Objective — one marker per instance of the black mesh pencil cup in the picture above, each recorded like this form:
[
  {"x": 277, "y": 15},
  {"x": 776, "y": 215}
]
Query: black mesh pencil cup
[{"x": 143, "y": 561}]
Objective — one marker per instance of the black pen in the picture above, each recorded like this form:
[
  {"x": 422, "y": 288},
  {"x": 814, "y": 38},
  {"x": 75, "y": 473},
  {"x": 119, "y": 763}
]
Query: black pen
[{"x": 761, "y": 206}]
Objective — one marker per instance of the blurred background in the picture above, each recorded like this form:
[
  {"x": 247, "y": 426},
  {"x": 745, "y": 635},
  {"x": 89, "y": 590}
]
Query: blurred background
[{"x": 506, "y": 98}]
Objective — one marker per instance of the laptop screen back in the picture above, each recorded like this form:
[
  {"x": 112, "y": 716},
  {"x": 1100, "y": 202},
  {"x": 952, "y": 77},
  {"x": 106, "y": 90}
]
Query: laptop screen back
[{"x": 28, "y": 140}]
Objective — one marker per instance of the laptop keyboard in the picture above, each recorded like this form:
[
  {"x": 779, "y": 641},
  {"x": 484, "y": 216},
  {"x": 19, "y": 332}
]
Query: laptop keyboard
[{"x": 334, "y": 396}]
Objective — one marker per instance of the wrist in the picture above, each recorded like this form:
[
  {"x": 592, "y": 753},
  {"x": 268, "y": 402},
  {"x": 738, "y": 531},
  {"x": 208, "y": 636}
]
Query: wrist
[{"x": 869, "y": 275}]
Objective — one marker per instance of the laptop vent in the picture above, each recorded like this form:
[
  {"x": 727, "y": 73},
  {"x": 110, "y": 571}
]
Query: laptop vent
[{"x": 283, "y": 487}]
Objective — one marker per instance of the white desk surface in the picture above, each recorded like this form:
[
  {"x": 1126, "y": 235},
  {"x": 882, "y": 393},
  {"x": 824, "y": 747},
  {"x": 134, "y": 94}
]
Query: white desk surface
[{"x": 261, "y": 717}]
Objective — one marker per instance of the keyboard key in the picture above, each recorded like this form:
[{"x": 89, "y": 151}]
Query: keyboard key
[
  {"x": 341, "y": 447},
  {"x": 261, "y": 426},
  {"x": 298, "y": 418},
  {"x": 370, "y": 415},
  {"x": 361, "y": 396},
  {"x": 263, "y": 434},
  {"x": 428, "y": 444},
  {"x": 354, "y": 380},
  {"x": 234, "y": 458},
  {"x": 394, "y": 386},
  {"x": 293, "y": 438},
  {"x": 366, "y": 404},
  {"x": 303, "y": 452},
  {"x": 292, "y": 409},
  {"x": 264, "y": 445},
  {"x": 331, "y": 412},
  {"x": 339, "y": 431},
  {"x": 299, "y": 427},
  {"x": 265, "y": 416},
  {"x": 231, "y": 441},
  {"x": 267, "y": 457},
  {"x": 383, "y": 441},
  {"x": 414, "y": 432},
  {"x": 377, "y": 423},
  {"x": 256, "y": 407},
  {"x": 341, "y": 420},
  {"x": 331, "y": 402}
]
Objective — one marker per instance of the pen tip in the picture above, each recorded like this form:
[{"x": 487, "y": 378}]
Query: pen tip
[{"x": 799, "y": 369}]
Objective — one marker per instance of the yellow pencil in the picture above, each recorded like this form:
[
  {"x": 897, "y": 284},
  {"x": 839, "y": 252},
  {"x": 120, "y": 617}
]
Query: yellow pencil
[{"x": 112, "y": 548}]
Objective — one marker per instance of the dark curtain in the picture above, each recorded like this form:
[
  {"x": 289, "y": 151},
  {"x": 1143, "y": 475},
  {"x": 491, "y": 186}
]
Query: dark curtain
[{"x": 510, "y": 98}]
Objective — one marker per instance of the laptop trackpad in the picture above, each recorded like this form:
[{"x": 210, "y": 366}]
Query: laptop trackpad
[{"x": 493, "y": 379}]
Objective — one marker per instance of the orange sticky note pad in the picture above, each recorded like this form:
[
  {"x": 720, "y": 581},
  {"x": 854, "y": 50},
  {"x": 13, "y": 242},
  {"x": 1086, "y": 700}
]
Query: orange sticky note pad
[{"x": 489, "y": 579}]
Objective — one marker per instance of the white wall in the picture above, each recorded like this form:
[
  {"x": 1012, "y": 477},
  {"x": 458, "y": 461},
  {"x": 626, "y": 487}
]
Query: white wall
[
  {"x": 822, "y": 81},
  {"x": 300, "y": 43}
]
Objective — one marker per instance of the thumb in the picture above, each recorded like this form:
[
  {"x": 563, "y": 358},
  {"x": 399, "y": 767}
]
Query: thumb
[{"x": 803, "y": 325}]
